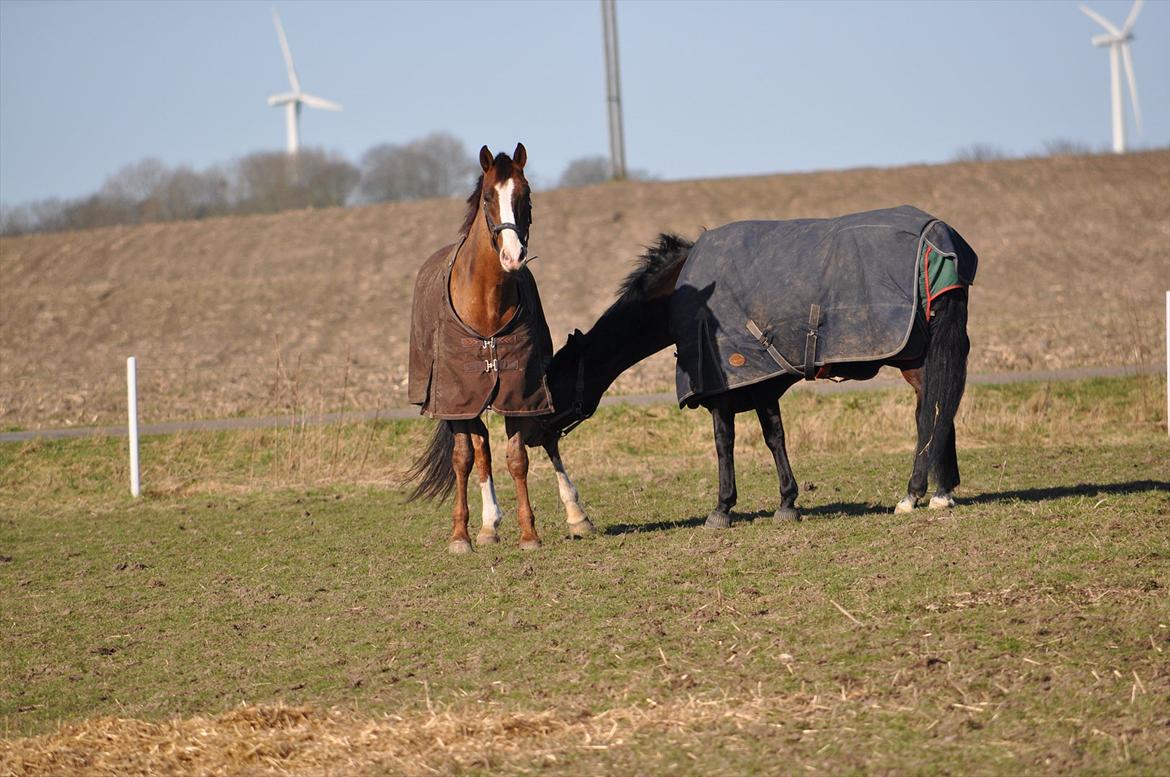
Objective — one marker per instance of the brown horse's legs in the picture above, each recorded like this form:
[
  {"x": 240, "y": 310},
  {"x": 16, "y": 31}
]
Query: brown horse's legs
[
  {"x": 487, "y": 488},
  {"x": 579, "y": 523},
  {"x": 916, "y": 488},
  {"x": 773, "y": 428},
  {"x": 461, "y": 461},
  {"x": 723, "y": 419},
  {"x": 518, "y": 469}
]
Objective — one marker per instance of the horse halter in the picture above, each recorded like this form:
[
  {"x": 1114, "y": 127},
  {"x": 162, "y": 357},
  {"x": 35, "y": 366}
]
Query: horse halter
[
  {"x": 496, "y": 229},
  {"x": 576, "y": 412}
]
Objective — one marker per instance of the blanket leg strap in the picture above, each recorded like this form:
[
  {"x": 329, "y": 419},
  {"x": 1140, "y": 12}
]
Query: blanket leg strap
[
  {"x": 763, "y": 340},
  {"x": 810, "y": 343}
]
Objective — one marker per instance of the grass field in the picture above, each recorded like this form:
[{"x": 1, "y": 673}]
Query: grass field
[{"x": 1025, "y": 631}]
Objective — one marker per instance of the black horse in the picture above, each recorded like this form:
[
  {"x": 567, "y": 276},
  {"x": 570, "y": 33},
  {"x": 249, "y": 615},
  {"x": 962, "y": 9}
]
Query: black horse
[{"x": 655, "y": 309}]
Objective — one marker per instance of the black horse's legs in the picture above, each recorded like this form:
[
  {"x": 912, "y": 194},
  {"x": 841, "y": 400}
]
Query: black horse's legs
[
  {"x": 723, "y": 419},
  {"x": 948, "y": 478},
  {"x": 916, "y": 488},
  {"x": 768, "y": 411},
  {"x": 945, "y": 378},
  {"x": 579, "y": 523}
]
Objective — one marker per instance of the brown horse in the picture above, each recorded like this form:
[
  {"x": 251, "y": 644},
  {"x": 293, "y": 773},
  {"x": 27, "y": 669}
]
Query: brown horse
[{"x": 479, "y": 341}]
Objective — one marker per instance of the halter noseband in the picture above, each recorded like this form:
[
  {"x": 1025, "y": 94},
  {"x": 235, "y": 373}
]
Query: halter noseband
[{"x": 495, "y": 229}]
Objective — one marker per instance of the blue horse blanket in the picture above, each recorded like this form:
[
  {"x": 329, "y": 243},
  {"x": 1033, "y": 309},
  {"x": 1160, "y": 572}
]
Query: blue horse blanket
[{"x": 759, "y": 299}]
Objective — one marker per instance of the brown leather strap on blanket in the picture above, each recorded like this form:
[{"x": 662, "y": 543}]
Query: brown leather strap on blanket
[
  {"x": 810, "y": 343},
  {"x": 763, "y": 340}
]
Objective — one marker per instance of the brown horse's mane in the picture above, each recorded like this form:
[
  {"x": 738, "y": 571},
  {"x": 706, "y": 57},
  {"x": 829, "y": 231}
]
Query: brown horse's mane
[{"x": 472, "y": 208}]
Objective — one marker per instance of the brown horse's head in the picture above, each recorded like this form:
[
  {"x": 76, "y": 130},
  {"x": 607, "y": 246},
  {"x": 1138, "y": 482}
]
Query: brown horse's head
[{"x": 506, "y": 204}]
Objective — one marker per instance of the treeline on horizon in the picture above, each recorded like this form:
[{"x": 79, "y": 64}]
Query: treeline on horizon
[
  {"x": 437, "y": 165},
  {"x": 148, "y": 191}
]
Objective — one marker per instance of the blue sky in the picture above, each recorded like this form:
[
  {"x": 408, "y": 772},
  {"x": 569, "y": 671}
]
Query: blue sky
[{"x": 710, "y": 89}]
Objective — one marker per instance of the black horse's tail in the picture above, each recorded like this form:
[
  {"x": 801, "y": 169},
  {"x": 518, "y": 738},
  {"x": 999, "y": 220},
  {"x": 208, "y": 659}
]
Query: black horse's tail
[
  {"x": 945, "y": 379},
  {"x": 433, "y": 471}
]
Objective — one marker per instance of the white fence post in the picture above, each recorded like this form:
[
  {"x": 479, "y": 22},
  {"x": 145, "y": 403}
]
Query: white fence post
[{"x": 132, "y": 416}]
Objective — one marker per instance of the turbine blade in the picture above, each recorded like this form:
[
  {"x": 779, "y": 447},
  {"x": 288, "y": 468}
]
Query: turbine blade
[
  {"x": 1099, "y": 19},
  {"x": 1133, "y": 95},
  {"x": 1133, "y": 14},
  {"x": 288, "y": 60},
  {"x": 281, "y": 99},
  {"x": 317, "y": 102}
]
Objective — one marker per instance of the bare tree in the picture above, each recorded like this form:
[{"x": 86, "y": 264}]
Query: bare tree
[
  {"x": 1065, "y": 147},
  {"x": 267, "y": 182},
  {"x": 136, "y": 182},
  {"x": 585, "y": 170},
  {"x": 979, "y": 152},
  {"x": 437, "y": 165}
]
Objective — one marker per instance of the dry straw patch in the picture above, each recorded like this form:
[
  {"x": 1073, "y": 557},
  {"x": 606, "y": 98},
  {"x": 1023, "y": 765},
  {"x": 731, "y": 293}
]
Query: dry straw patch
[{"x": 280, "y": 739}]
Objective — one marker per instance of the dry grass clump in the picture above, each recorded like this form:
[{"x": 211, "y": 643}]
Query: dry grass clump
[{"x": 279, "y": 739}]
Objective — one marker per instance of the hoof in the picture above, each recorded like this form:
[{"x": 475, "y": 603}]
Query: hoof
[
  {"x": 530, "y": 544},
  {"x": 944, "y": 502},
  {"x": 486, "y": 538},
  {"x": 718, "y": 520},
  {"x": 459, "y": 547},
  {"x": 786, "y": 514},
  {"x": 583, "y": 528},
  {"x": 906, "y": 505}
]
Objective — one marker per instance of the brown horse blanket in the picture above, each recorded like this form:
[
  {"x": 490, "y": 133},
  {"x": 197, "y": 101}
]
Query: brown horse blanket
[
  {"x": 758, "y": 299},
  {"x": 457, "y": 373}
]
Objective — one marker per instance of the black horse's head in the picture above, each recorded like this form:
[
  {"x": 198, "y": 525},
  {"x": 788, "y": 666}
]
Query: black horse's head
[{"x": 575, "y": 390}]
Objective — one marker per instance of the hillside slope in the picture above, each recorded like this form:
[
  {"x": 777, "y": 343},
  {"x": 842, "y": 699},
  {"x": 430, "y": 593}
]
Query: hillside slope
[{"x": 311, "y": 308}]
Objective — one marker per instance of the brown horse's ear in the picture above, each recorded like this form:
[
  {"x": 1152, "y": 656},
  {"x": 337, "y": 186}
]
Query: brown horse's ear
[
  {"x": 485, "y": 158},
  {"x": 520, "y": 156}
]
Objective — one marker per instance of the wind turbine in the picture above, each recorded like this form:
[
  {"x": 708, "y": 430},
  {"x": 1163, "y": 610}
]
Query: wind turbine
[
  {"x": 292, "y": 101},
  {"x": 1118, "y": 43}
]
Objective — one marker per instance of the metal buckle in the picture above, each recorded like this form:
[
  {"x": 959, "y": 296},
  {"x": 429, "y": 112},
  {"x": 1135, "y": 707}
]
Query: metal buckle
[{"x": 491, "y": 365}]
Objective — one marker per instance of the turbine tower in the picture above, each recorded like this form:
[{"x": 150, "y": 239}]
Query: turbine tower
[
  {"x": 1118, "y": 43},
  {"x": 292, "y": 101}
]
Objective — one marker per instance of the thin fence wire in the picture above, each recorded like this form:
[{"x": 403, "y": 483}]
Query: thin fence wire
[{"x": 287, "y": 384}]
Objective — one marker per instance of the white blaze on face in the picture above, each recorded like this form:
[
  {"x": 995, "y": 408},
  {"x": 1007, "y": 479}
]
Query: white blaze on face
[{"x": 511, "y": 252}]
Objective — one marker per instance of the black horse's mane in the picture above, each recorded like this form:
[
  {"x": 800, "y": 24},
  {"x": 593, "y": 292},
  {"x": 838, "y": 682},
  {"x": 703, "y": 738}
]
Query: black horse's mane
[{"x": 660, "y": 257}]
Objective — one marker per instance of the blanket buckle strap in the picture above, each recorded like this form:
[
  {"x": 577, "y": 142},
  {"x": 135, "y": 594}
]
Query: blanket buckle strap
[
  {"x": 810, "y": 343},
  {"x": 492, "y": 364},
  {"x": 763, "y": 340}
]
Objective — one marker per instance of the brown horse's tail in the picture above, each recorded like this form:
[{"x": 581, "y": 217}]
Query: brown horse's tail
[{"x": 433, "y": 473}]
